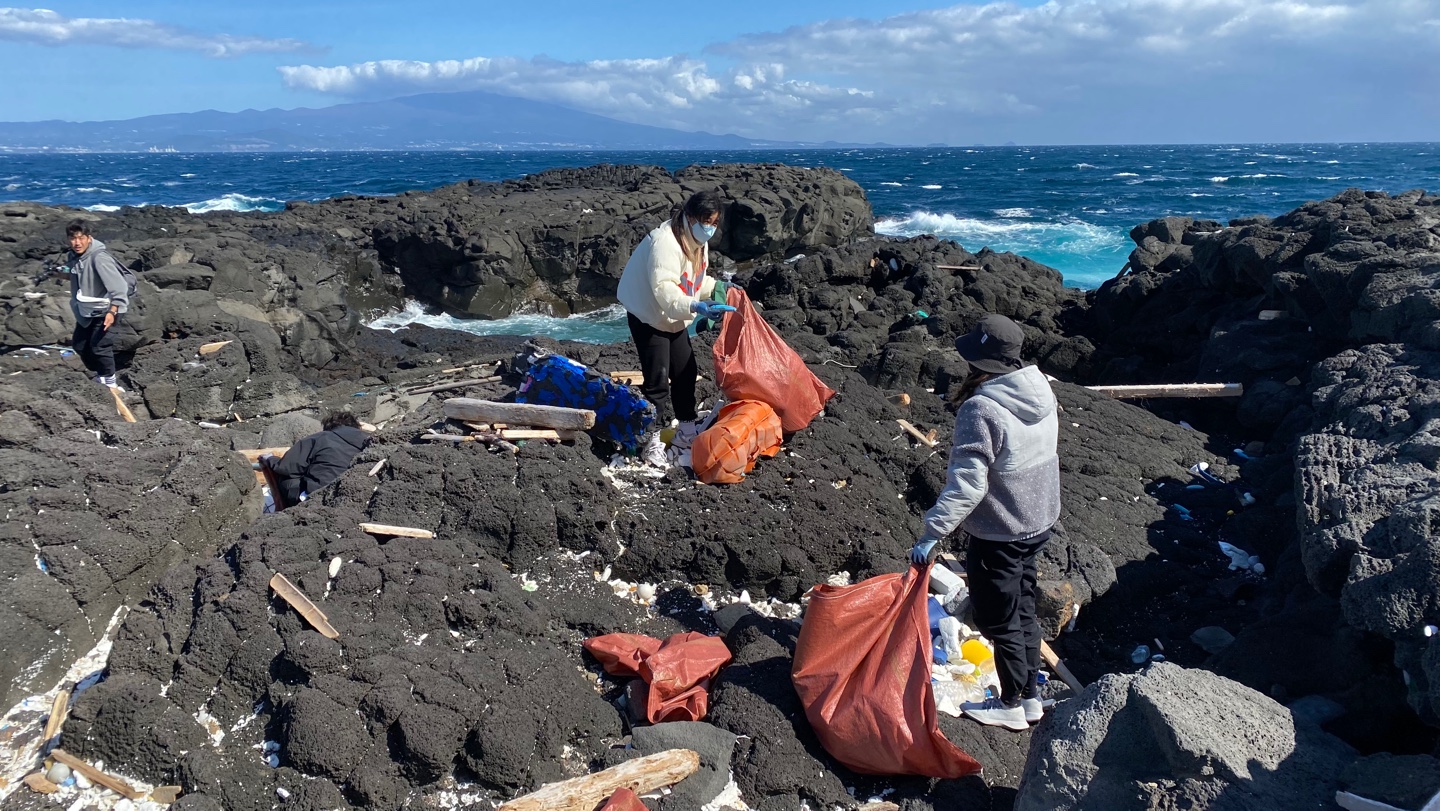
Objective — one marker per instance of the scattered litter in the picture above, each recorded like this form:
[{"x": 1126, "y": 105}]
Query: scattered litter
[
  {"x": 1140, "y": 655},
  {"x": 1240, "y": 560},
  {"x": 335, "y": 564},
  {"x": 1431, "y": 630},
  {"x": 1242, "y": 454}
]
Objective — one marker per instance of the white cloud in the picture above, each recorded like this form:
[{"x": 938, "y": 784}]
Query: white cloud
[
  {"x": 1066, "y": 71},
  {"x": 50, "y": 28}
]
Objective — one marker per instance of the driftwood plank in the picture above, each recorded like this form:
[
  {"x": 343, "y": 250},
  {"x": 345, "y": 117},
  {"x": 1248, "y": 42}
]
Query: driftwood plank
[
  {"x": 641, "y": 775},
  {"x": 58, "y": 708},
  {"x": 297, "y": 600},
  {"x": 1172, "y": 390},
  {"x": 120, "y": 407},
  {"x": 928, "y": 440},
  {"x": 254, "y": 455},
  {"x": 1053, "y": 660},
  {"x": 378, "y": 465},
  {"x": 459, "y": 384},
  {"x": 96, "y": 776},
  {"x": 563, "y": 419},
  {"x": 213, "y": 347},
  {"x": 397, "y": 532}
]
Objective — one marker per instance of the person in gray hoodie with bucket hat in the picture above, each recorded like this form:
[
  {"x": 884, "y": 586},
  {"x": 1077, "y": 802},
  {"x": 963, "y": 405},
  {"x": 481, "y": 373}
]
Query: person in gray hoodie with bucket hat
[
  {"x": 1003, "y": 490},
  {"x": 99, "y": 297}
]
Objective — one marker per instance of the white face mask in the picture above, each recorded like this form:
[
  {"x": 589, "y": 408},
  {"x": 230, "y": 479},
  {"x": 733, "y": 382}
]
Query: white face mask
[{"x": 701, "y": 232}]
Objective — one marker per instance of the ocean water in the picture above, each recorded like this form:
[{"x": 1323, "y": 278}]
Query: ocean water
[{"x": 1069, "y": 207}]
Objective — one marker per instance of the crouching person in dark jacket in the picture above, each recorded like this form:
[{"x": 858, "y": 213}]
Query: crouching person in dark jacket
[{"x": 318, "y": 459}]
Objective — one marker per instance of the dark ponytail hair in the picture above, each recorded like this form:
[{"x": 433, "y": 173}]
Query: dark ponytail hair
[
  {"x": 701, "y": 206},
  {"x": 975, "y": 380}
]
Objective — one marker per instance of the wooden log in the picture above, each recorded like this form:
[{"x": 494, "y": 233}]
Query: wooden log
[
  {"x": 459, "y": 384},
  {"x": 253, "y": 455},
  {"x": 120, "y": 407},
  {"x": 627, "y": 378},
  {"x": 434, "y": 437},
  {"x": 58, "y": 708},
  {"x": 396, "y": 532},
  {"x": 376, "y": 469},
  {"x": 459, "y": 369},
  {"x": 564, "y": 419},
  {"x": 308, "y": 609},
  {"x": 213, "y": 347},
  {"x": 924, "y": 439},
  {"x": 96, "y": 776},
  {"x": 1048, "y": 654},
  {"x": 517, "y": 434},
  {"x": 1187, "y": 390},
  {"x": 641, "y": 775},
  {"x": 39, "y": 783},
  {"x": 958, "y": 267}
]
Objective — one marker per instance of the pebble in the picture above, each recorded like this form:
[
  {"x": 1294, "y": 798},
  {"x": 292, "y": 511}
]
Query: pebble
[
  {"x": 335, "y": 565},
  {"x": 81, "y": 781},
  {"x": 58, "y": 773},
  {"x": 646, "y": 592}
]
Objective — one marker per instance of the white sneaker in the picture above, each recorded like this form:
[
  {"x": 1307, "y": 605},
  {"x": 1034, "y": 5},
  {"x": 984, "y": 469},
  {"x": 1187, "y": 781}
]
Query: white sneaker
[
  {"x": 1034, "y": 710},
  {"x": 653, "y": 453},
  {"x": 685, "y": 434},
  {"x": 992, "y": 712},
  {"x": 108, "y": 381}
]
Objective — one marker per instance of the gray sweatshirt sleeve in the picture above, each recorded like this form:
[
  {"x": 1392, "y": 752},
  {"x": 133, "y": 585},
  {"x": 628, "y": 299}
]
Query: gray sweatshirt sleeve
[
  {"x": 972, "y": 451},
  {"x": 108, "y": 269}
]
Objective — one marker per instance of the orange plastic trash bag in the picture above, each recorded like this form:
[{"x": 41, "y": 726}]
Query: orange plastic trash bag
[
  {"x": 752, "y": 362},
  {"x": 678, "y": 670},
  {"x": 742, "y": 433},
  {"x": 862, "y": 670},
  {"x": 623, "y": 800}
]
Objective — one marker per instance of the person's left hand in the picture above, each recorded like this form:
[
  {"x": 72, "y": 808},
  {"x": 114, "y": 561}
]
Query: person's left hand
[
  {"x": 109, "y": 321},
  {"x": 924, "y": 551},
  {"x": 711, "y": 309},
  {"x": 268, "y": 460}
]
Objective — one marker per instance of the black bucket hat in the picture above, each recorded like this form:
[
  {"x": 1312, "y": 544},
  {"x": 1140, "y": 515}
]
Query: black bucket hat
[{"x": 993, "y": 346}]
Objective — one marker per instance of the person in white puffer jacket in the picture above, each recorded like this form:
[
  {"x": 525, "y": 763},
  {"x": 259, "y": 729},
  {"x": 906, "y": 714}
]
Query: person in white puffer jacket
[{"x": 663, "y": 289}]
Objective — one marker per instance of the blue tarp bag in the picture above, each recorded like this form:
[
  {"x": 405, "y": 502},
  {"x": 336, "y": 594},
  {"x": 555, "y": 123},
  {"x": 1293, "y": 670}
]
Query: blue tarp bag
[{"x": 622, "y": 414}]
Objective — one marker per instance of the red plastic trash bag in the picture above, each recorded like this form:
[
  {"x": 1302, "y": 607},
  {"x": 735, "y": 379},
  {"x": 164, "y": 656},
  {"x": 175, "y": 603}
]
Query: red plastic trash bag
[
  {"x": 752, "y": 362},
  {"x": 862, "y": 669},
  {"x": 742, "y": 433},
  {"x": 678, "y": 670},
  {"x": 623, "y": 800}
]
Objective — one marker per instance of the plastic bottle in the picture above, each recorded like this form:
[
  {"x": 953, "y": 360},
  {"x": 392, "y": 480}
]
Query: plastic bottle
[
  {"x": 977, "y": 653},
  {"x": 950, "y": 637}
]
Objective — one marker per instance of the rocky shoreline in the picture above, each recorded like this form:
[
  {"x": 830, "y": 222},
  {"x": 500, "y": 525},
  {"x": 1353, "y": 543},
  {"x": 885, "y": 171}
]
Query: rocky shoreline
[{"x": 455, "y": 683}]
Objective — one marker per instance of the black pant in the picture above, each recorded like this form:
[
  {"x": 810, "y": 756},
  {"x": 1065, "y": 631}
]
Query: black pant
[
  {"x": 669, "y": 368},
  {"x": 95, "y": 345},
  {"x": 1001, "y": 576}
]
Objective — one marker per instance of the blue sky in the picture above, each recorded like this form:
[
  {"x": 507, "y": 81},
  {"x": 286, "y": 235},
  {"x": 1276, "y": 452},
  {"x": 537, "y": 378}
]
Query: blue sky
[{"x": 1067, "y": 71}]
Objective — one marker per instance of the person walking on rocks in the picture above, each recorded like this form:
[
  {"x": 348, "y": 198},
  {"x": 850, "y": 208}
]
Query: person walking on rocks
[
  {"x": 1003, "y": 490},
  {"x": 663, "y": 289},
  {"x": 318, "y": 459},
  {"x": 99, "y": 298}
]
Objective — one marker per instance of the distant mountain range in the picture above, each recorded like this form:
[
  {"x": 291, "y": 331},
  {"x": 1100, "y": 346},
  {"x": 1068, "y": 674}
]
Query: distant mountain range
[{"x": 469, "y": 120}]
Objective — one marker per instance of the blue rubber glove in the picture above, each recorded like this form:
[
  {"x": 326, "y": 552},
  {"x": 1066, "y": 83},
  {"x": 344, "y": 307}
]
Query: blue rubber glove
[
  {"x": 710, "y": 309},
  {"x": 924, "y": 551}
]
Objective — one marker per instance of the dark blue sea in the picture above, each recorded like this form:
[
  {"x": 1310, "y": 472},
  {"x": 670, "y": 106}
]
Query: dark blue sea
[{"x": 1068, "y": 207}]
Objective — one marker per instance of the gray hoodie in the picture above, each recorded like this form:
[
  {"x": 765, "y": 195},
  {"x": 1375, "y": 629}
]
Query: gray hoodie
[
  {"x": 96, "y": 282},
  {"x": 1004, "y": 477}
]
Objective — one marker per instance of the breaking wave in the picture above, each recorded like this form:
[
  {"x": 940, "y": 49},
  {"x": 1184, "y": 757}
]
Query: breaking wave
[
  {"x": 607, "y": 326},
  {"x": 236, "y": 202}
]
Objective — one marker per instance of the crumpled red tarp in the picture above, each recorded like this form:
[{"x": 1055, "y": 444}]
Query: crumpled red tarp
[
  {"x": 862, "y": 670},
  {"x": 678, "y": 670},
  {"x": 752, "y": 362},
  {"x": 623, "y": 800}
]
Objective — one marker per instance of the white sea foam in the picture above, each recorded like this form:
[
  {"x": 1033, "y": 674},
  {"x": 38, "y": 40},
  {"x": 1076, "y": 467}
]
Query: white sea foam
[
  {"x": 599, "y": 327},
  {"x": 890, "y": 183},
  {"x": 1086, "y": 166},
  {"x": 1219, "y": 179},
  {"x": 1068, "y": 235},
  {"x": 1124, "y": 174},
  {"x": 236, "y": 202},
  {"x": 101, "y": 207},
  {"x": 93, "y": 189},
  {"x": 1012, "y": 212},
  {"x": 1328, "y": 177},
  {"x": 932, "y": 186}
]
